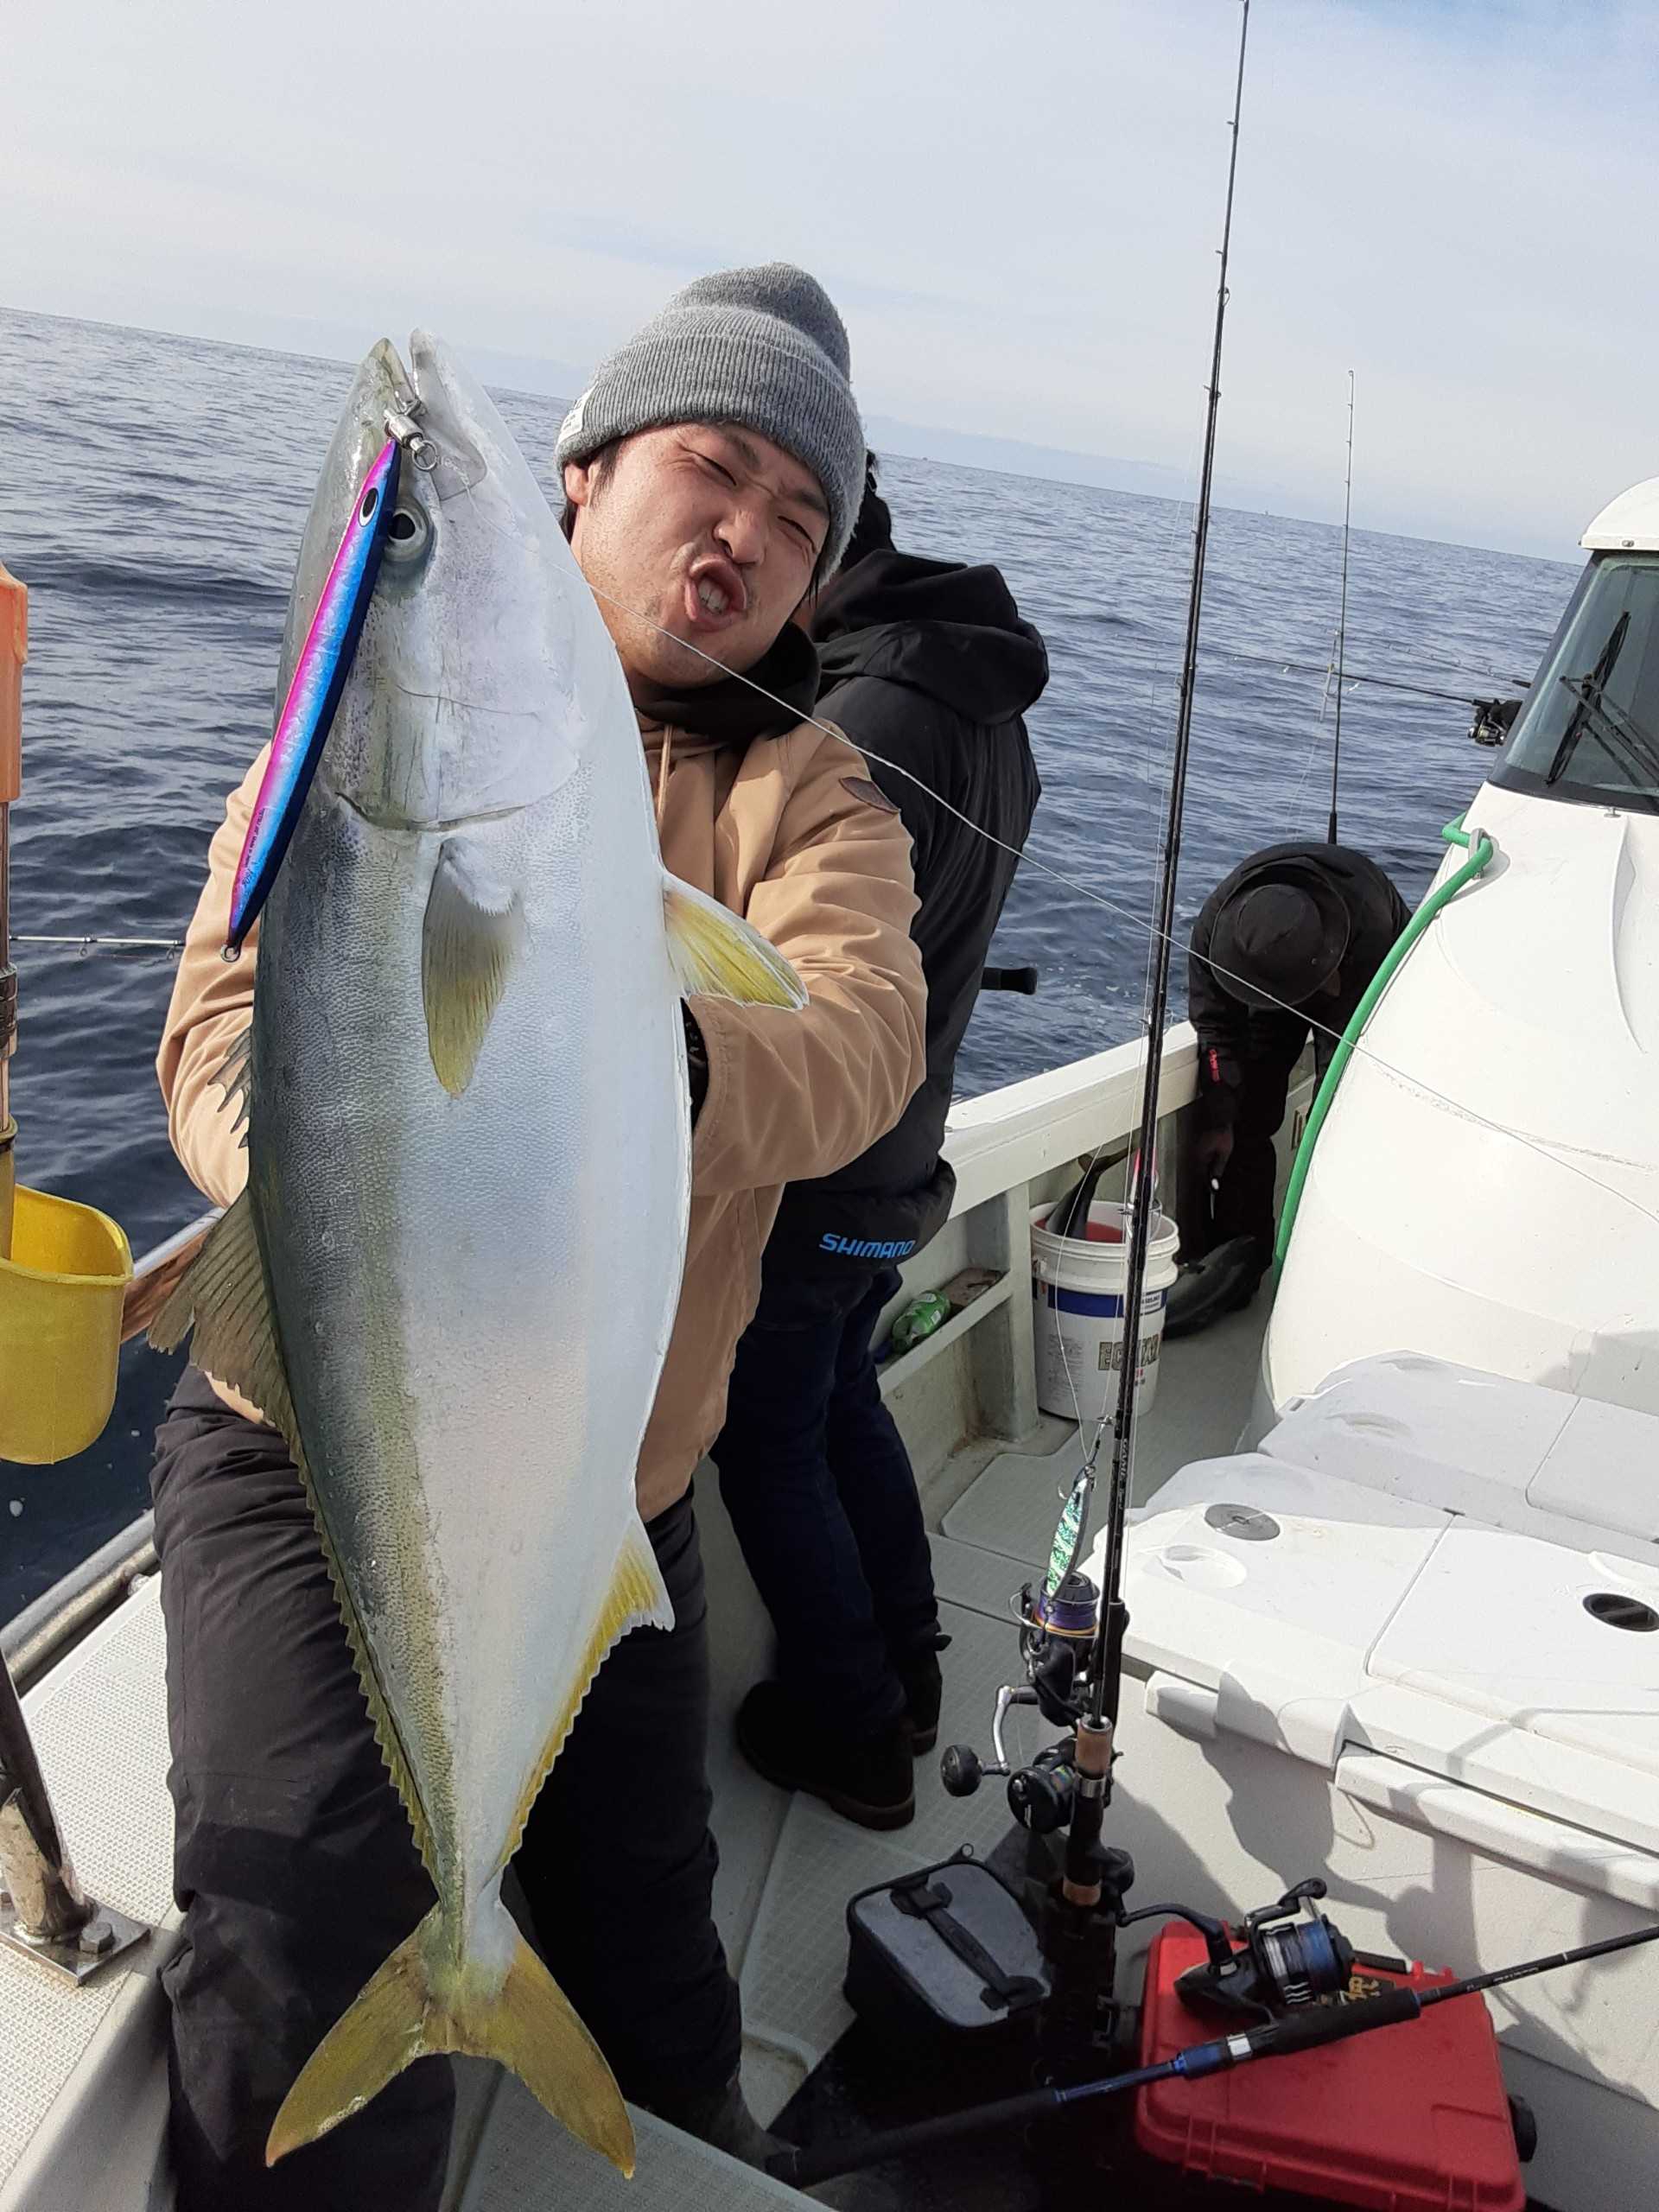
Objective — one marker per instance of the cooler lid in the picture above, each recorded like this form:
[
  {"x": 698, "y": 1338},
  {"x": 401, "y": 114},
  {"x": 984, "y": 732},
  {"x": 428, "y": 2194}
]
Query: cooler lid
[
  {"x": 1253, "y": 1562},
  {"x": 1327, "y": 1613},
  {"x": 1560, "y": 1644},
  {"x": 1514, "y": 1454}
]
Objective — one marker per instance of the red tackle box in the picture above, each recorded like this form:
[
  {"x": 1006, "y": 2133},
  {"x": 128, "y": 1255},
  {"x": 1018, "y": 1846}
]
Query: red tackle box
[{"x": 1413, "y": 2118}]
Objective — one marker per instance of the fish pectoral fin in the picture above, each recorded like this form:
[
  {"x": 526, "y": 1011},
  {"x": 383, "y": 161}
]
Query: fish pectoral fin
[
  {"x": 420, "y": 2002},
  {"x": 224, "y": 1299},
  {"x": 474, "y": 929},
  {"x": 716, "y": 954}
]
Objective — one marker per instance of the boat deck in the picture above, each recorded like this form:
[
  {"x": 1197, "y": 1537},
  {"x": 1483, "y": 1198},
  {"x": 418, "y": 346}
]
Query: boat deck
[{"x": 788, "y": 1866}]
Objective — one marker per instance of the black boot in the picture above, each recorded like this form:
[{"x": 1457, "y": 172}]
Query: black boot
[
  {"x": 721, "y": 2118},
  {"x": 1223, "y": 1281},
  {"x": 864, "y": 1779},
  {"x": 918, "y": 1670}
]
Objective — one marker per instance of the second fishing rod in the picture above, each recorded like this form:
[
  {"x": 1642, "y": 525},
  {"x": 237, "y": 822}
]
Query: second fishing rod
[{"x": 1087, "y": 1871}]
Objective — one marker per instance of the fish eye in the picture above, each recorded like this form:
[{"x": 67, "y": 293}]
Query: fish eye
[{"x": 409, "y": 534}]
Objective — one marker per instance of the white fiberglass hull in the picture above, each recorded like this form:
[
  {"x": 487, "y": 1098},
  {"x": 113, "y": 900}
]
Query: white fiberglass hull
[{"x": 1501, "y": 1210}]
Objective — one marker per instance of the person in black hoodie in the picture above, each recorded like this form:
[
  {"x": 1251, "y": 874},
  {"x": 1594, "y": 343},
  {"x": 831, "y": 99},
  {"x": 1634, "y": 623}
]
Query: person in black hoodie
[
  {"x": 929, "y": 665},
  {"x": 1288, "y": 943}
]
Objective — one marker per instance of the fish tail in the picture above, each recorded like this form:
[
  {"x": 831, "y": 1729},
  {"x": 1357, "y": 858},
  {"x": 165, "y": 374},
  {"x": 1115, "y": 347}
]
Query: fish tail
[{"x": 421, "y": 2001}]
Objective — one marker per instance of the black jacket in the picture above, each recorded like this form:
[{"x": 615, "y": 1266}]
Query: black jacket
[
  {"x": 928, "y": 664},
  {"x": 1230, "y": 1032}
]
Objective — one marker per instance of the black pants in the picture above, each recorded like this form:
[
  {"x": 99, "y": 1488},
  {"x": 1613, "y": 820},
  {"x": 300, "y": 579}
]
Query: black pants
[
  {"x": 297, "y": 1875},
  {"x": 1242, "y": 1204},
  {"x": 816, "y": 1479}
]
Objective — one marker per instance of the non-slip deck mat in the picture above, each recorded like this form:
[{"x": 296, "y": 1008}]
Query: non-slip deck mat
[
  {"x": 797, "y": 1957},
  {"x": 527, "y": 2162},
  {"x": 99, "y": 1724}
]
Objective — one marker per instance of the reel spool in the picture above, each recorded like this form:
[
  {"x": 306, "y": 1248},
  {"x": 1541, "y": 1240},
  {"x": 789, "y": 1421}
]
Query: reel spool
[
  {"x": 1282, "y": 1963},
  {"x": 1056, "y": 1636}
]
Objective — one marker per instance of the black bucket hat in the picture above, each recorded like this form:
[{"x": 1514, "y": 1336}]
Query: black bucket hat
[{"x": 1279, "y": 936}]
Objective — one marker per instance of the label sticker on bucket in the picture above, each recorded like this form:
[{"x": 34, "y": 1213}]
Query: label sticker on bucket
[
  {"x": 1104, "y": 1306},
  {"x": 1110, "y": 1359}
]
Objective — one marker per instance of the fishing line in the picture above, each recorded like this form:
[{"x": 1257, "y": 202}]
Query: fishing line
[
  {"x": 1351, "y": 676},
  {"x": 1026, "y": 859}
]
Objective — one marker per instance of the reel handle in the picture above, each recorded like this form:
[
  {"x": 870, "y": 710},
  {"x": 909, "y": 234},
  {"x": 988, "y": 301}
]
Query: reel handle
[{"x": 962, "y": 1769}]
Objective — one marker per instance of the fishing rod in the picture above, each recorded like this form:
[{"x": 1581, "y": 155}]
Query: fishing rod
[
  {"x": 1311, "y": 2027},
  {"x": 1082, "y": 1884},
  {"x": 1342, "y": 617}
]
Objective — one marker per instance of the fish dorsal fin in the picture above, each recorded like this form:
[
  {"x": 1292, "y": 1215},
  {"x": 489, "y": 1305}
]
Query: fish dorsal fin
[
  {"x": 474, "y": 927},
  {"x": 224, "y": 1298},
  {"x": 716, "y": 954}
]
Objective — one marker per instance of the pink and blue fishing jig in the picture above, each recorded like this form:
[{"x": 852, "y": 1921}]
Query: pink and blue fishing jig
[{"x": 319, "y": 678}]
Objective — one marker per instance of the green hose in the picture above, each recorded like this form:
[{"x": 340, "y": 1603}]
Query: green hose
[{"x": 1479, "y": 857}]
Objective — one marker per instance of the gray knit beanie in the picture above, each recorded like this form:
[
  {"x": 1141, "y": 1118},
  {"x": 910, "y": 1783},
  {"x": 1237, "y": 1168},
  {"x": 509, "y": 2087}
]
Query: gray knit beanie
[{"x": 761, "y": 348}]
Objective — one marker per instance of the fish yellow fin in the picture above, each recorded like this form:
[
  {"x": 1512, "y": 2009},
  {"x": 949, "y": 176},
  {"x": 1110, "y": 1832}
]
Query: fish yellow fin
[
  {"x": 474, "y": 929},
  {"x": 422, "y": 2001},
  {"x": 716, "y": 954},
  {"x": 224, "y": 1299},
  {"x": 636, "y": 1598}
]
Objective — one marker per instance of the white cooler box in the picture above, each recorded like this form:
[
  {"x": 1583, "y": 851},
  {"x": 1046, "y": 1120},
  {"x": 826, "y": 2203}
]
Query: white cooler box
[{"x": 1412, "y": 1644}]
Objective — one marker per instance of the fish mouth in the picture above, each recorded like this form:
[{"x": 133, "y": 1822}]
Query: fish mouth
[
  {"x": 381, "y": 381},
  {"x": 456, "y": 456}
]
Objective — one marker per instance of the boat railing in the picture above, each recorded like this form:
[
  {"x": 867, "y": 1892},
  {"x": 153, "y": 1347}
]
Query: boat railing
[
  {"x": 43, "y": 1909},
  {"x": 1011, "y": 1150}
]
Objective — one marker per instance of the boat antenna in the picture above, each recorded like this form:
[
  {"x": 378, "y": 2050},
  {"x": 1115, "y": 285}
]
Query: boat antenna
[
  {"x": 1342, "y": 616},
  {"x": 1082, "y": 1886}
]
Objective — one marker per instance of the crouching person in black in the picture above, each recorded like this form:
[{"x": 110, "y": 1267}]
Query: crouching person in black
[
  {"x": 928, "y": 664},
  {"x": 1286, "y": 945}
]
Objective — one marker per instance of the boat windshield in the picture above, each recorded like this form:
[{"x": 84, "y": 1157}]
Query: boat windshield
[{"x": 1589, "y": 731}]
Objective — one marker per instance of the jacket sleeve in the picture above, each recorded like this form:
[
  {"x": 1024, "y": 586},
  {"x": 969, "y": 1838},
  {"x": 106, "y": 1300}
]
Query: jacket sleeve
[
  {"x": 795, "y": 1095},
  {"x": 212, "y": 1005},
  {"x": 1222, "y": 1022}
]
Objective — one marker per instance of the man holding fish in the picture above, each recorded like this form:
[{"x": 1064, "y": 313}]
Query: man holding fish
[{"x": 579, "y": 942}]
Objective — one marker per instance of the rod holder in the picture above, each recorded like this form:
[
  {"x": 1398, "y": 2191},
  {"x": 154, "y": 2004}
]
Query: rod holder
[{"x": 45, "y": 1913}]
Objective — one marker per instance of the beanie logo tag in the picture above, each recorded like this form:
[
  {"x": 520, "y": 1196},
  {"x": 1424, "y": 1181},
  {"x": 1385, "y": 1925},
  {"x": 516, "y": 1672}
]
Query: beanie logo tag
[{"x": 571, "y": 426}]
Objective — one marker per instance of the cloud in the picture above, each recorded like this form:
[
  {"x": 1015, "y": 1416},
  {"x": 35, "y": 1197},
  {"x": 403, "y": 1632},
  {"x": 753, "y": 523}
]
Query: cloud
[{"x": 1018, "y": 210}]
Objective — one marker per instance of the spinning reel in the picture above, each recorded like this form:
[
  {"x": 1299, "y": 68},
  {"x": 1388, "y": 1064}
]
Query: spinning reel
[
  {"x": 1274, "y": 1963},
  {"x": 1056, "y": 1636}
]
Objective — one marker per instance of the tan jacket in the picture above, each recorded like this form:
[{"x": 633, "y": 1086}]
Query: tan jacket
[{"x": 789, "y": 833}]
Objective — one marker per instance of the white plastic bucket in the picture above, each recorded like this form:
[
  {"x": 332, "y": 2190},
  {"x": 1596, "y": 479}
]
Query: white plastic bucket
[{"x": 1078, "y": 1318}]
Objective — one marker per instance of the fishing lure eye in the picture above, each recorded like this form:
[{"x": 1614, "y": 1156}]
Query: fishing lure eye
[{"x": 408, "y": 534}]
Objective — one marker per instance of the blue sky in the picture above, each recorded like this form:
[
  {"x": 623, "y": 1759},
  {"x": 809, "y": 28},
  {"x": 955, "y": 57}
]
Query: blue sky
[{"x": 1016, "y": 207}]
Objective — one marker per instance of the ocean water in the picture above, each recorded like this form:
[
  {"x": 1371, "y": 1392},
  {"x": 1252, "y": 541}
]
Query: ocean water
[{"x": 152, "y": 493}]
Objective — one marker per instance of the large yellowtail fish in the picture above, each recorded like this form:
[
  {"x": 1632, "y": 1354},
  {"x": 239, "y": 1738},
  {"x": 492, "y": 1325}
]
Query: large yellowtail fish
[{"x": 451, "y": 1281}]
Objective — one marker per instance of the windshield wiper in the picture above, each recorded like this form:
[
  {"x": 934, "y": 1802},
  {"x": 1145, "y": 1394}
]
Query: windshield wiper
[{"x": 1636, "y": 752}]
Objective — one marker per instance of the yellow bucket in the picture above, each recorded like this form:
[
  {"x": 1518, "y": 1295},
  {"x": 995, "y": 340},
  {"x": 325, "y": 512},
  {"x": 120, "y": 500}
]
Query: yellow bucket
[{"x": 61, "y": 1299}]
